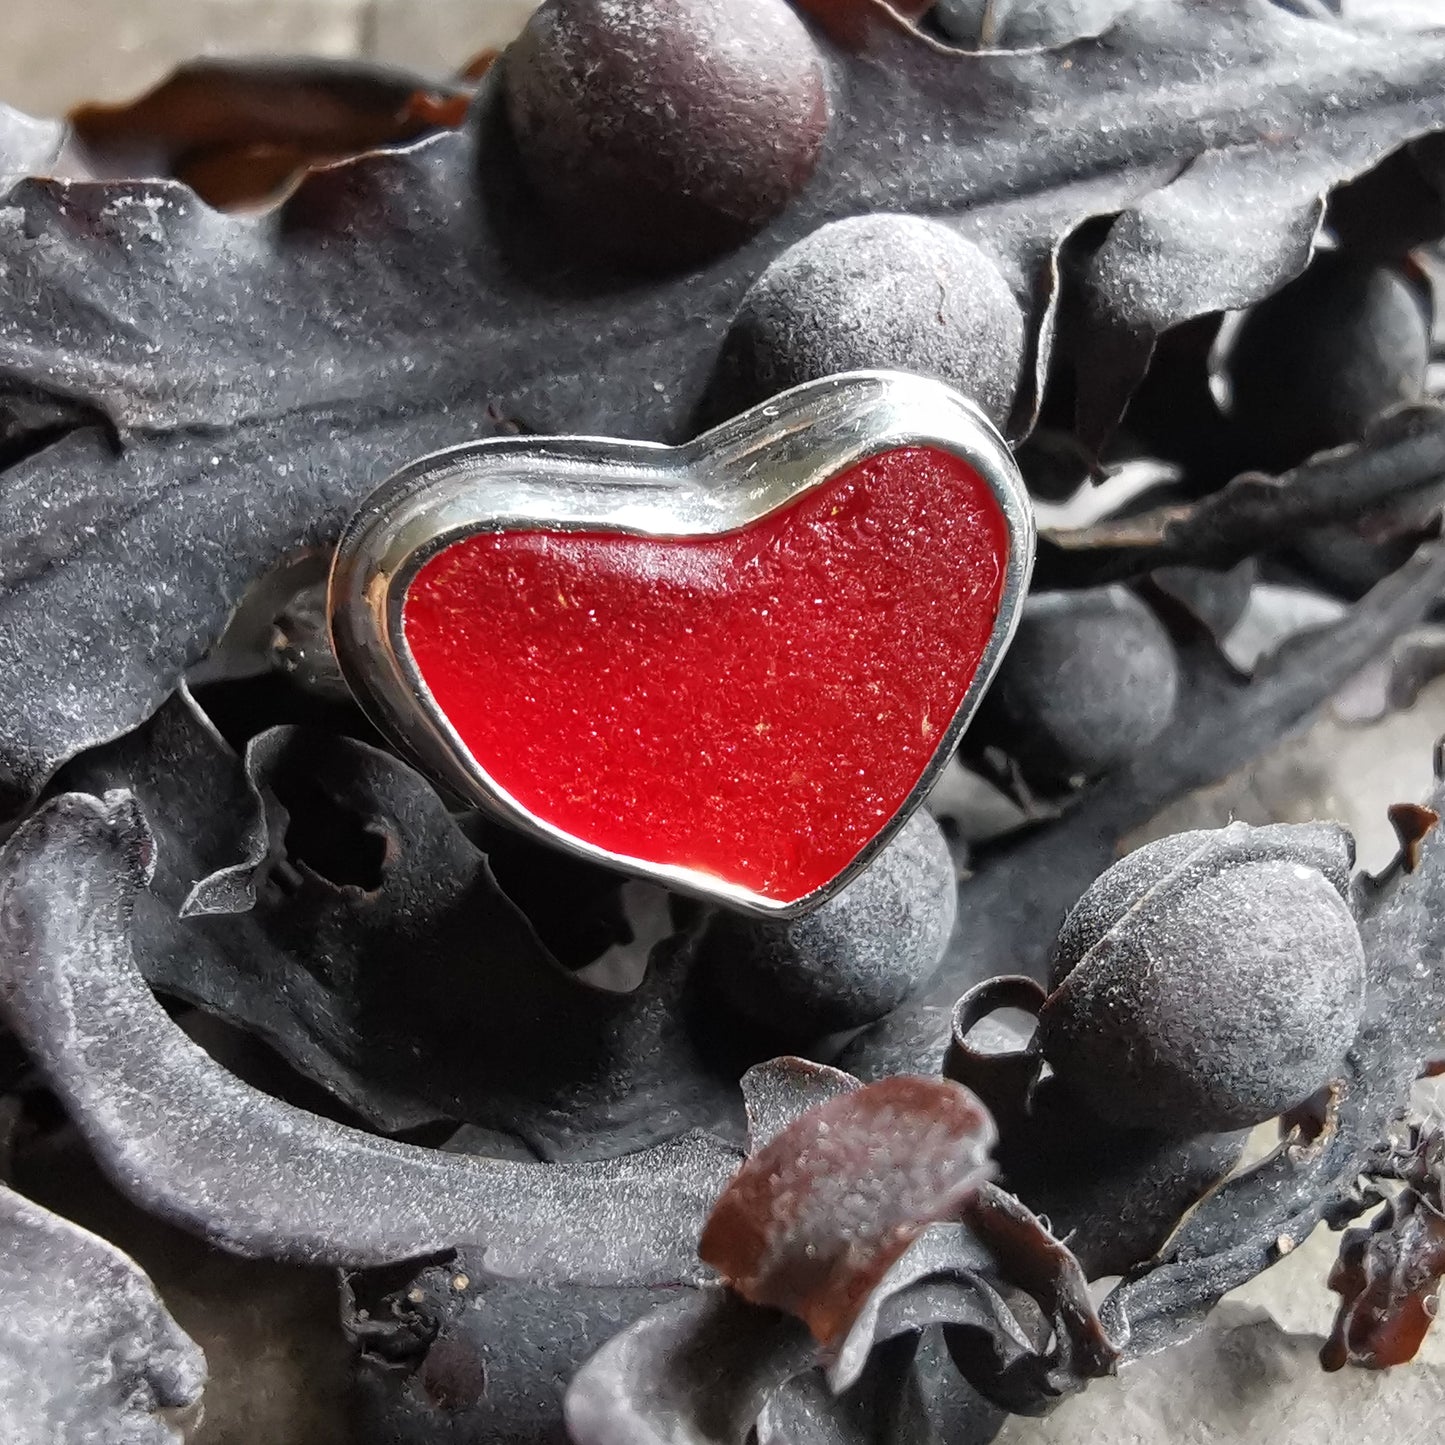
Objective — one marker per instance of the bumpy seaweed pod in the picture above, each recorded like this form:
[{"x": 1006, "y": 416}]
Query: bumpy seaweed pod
[
  {"x": 1090, "y": 679},
  {"x": 667, "y": 131},
  {"x": 1316, "y": 363},
  {"x": 1209, "y": 980},
  {"x": 850, "y": 961},
  {"x": 877, "y": 291}
]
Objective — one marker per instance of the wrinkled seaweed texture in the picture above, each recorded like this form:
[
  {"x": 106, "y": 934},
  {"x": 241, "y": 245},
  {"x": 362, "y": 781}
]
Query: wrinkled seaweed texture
[
  {"x": 87, "y": 1350},
  {"x": 188, "y": 1140},
  {"x": 1399, "y": 468},
  {"x": 415, "y": 298},
  {"x": 383, "y": 959}
]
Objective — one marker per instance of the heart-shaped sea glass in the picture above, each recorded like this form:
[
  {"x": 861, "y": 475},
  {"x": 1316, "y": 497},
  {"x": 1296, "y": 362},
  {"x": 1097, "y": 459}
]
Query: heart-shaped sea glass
[{"x": 732, "y": 666}]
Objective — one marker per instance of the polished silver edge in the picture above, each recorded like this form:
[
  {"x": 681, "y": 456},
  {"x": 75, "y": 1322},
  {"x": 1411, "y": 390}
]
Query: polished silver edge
[{"x": 725, "y": 479}]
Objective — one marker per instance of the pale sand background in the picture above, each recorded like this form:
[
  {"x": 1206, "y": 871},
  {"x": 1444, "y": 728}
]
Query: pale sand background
[{"x": 54, "y": 53}]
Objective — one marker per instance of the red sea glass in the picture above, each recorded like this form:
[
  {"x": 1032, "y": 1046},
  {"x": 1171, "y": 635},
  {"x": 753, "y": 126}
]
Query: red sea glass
[{"x": 756, "y": 705}]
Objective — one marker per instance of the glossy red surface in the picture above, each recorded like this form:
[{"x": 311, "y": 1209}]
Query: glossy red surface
[{"x": 756, "y": 705}]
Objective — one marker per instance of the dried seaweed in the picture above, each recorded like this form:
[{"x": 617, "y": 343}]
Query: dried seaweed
[
  {"x": 708, "y": 1367},
  {"x": 1388, "y": 1274},
  {"x": 695, "y": 1371},
  {"x": 1251, "y": 1219},
  {"x": 423, "y": 967},
  {"x": 238, "y": 130},
  {"x": 1401, "y": 467},
  {"x": 166, "y": 1121},
  {"x": 1115, "y": 1194},
  {"x": 886, "y": 1407},
  {"x": 134, "y": 526},
  {"x": 816, "y": 1217},
  {"x": 778, "y": 1091},
  {"x": 947, "y": 1277},
  {"x": 483, "y": 1359},
  {"x": 380, "y": 935},
  {"x": 88, "y": 1350},
  {"x": 205, "y": 814},
  {"x": 1012, "y": 905}
]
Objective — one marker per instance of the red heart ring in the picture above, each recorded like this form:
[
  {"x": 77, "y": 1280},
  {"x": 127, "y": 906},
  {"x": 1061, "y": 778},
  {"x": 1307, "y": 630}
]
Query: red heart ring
[{"x": 734, "y": 666}]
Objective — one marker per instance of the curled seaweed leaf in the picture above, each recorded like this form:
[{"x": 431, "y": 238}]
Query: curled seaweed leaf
[
  {"x": 1402, "y": 464},
  {"x": 945, "y": 1277},
  {"x": 206, "y": 815},
  {"x": 1079, "y": 1346},
  {"x": 237, "y": 130},
  {"x": 1388, "y": 1275},
  {"x": 697, "y": 1370},
  {"x": 380, "y": 933},
  {"x": 189, "y": 1141},
  {"x": 813, "y": 1220}
]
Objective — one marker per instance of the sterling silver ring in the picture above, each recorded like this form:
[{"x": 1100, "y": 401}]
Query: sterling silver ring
[{"x": 810, "y": 470}]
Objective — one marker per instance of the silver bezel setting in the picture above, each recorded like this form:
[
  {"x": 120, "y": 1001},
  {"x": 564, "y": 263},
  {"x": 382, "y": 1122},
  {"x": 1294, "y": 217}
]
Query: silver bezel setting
[{"x": 725, "y": 479}]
